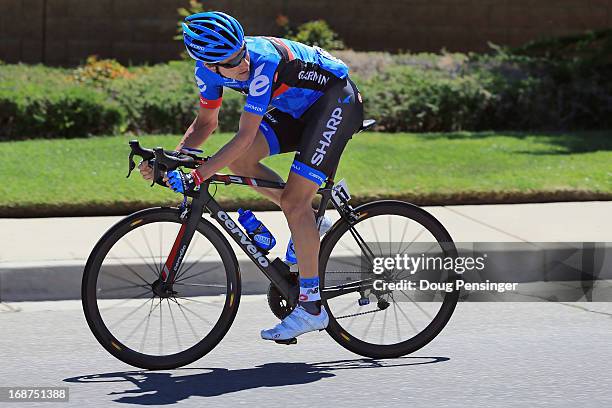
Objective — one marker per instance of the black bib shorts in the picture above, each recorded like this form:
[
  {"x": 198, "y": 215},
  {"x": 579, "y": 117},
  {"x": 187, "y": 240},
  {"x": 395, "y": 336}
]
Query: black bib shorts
[{"x": 319, "y": 136}]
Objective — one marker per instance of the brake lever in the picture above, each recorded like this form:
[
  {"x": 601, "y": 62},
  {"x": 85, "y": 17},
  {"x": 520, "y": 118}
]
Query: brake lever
[
  {"x": 132, "y": 165},
  {"x": 155, "y": 172}
]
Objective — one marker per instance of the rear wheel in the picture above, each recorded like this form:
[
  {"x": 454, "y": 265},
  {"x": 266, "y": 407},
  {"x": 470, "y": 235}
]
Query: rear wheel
[
  {"x": 142, "y": 326},
  {"x": 384, "y": 323}
]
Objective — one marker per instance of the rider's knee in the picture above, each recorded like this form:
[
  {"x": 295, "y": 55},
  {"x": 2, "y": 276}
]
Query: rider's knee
[
  {"x": 241, "y": 167},
  {"x": 294, "y": 205}
]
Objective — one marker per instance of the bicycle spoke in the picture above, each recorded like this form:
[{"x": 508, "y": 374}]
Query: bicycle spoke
[
  {"x": 129, "y": 268},
  {"x": 176, "y": 333},
  {"x": 196, "y": 301},
  {"x": 178, "y": 275},
  {"x": 122, "y": 288},
  {"x": 144, "y": 335},
  {"x": 148, "y": 292},
  {"x": 401, "y": 241},
  {"x": 367, "y": 329},
  {"x": 198, "y": 274},
  {"x": 205, "y": 285},
  {"x": 121, "y": 278},
  {"x": 195, "y": 314},
  {"x": 155, "y": 273},
  {"x": 129, "y": 336},
  {"x": 114, "y": 324},
  {"x": 192, "y": 245},
  {"x": 195, "y": 335},
  {"x": 404, "y": 314},
  {"x": 376, "y": 237},
  {"x": 397, "y": 327},
  {"x": 161, "y": 328},
  {"x": 412, "y": 242},
  {"x": 382, "y": 332},
  {"x": 417, "y": 305},
  {"x": 390, "y": 241},
  {"x": 150, "y": 250}
]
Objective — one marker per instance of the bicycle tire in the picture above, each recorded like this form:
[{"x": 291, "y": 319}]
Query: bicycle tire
[
  {"x": 90, "y": 302},
  {"x": 341, "y": 335}
]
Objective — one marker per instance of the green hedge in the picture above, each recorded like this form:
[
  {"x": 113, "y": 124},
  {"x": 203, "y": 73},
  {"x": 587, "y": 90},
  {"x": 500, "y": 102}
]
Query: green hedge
[
  {"x": 405, "y": 98},
  {"x": 37, "y": 102},
  {"x": 405, "y": 93}
]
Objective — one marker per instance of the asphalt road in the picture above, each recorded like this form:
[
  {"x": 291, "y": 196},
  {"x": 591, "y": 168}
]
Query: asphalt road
[{"x": 490, "y": 354}]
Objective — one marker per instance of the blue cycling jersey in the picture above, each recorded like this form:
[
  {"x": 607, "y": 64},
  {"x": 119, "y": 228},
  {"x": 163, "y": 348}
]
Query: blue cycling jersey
[{"x": 285, "y": 74}]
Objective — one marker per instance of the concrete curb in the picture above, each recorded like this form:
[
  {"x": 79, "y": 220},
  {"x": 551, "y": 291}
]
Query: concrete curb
[
  {"x": 39, "y": 281},
  {"x": 40, "y": 242}
]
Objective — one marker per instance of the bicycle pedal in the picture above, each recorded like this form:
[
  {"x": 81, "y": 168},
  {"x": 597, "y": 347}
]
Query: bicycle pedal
[{"x": 287, "y": 342}]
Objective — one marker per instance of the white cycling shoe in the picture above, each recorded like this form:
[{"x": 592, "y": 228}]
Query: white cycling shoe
[
  {"x": 297, "y": 323},
  {"x": 290, "y": 258}
]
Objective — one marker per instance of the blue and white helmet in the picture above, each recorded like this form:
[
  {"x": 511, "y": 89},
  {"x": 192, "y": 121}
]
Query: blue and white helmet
[{"x": 212, "y": 36}]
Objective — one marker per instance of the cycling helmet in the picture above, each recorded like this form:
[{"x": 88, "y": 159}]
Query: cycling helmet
[{"x": 212, "y": 36}]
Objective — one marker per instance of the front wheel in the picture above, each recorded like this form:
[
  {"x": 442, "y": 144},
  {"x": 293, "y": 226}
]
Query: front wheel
[
  {"x": 389, "y": 321},
  {"x": 137, "y": 322}
]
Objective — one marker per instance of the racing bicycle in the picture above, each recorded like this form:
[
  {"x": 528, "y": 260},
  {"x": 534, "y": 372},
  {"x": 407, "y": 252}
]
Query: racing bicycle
[{"x": 162, "y": 286}]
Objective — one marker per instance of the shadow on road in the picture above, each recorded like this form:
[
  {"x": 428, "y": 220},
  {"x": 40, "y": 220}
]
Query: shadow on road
[{"x": 161, "y": 388}]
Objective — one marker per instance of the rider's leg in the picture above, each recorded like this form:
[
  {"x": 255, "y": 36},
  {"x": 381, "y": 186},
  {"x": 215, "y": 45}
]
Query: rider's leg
[
  {"x": 296, "y": 203},
  {"x": 329, "y": 124},
  {"x": 248, "y": 165},
  {"x": 278, "y": 132}
]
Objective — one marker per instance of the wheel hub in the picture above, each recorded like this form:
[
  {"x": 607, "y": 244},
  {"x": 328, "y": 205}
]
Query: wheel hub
[{"x": 162, "y": 289}]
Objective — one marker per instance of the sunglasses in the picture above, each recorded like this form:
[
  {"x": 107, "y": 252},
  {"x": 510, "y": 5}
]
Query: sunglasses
[{"x": 233, "y": 63}]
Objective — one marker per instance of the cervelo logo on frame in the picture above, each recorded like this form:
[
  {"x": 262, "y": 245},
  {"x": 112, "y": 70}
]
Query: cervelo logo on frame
[
  {"x": 243, "y": 239},
  {"x": 260, "y": 84}
]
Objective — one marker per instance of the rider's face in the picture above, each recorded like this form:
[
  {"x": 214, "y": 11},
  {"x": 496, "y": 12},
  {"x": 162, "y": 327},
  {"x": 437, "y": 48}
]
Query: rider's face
[{"x": 239, "y": 72}]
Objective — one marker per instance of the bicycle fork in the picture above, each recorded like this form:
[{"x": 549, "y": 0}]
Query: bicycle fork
[{"x": 163, "y": 285}]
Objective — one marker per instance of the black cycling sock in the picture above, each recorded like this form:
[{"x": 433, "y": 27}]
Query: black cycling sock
[{"x": 313, "y": 307}]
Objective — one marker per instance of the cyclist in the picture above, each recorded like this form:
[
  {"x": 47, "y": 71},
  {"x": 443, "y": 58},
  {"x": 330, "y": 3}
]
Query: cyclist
[{"x": 315, "y": 109}]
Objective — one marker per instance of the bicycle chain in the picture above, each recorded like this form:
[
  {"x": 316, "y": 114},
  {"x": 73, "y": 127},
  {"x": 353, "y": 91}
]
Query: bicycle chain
[
  {"x": 358, "y": 314},
  {"x": 345, "y": 272}
]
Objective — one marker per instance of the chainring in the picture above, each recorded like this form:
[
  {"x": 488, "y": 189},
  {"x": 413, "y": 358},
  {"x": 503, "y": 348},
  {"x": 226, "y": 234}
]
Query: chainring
[{"x": 277, "y": 303}]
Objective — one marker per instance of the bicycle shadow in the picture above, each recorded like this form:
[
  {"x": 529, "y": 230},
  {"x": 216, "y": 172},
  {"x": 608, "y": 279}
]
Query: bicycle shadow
[{"x": 162, "y": 388}]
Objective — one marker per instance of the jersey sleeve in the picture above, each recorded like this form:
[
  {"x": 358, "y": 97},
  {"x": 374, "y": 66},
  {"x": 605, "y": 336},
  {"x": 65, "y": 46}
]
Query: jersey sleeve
[
  {"x": 211, "y": 91},
  {"x": 260, "y": 87}
]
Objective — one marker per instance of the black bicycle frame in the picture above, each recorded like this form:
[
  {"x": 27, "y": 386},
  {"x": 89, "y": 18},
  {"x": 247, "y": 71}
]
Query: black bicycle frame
[{"x": 276, "y": 271}]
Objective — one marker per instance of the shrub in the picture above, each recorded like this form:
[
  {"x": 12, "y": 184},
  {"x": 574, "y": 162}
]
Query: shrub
[
  {"x": 158, "y": 99},
  {"x": 194, "y": 7},
  {"x": 408, "y": 99},
  {"x": 97, "y": 72},
  {"x": 423, "y": 92},
  {"x": 537, "y": 93},
  {"x": 316, "y": 33},
  {"x": 164, "y": 99},
  {"x": 72, "y": 111}
]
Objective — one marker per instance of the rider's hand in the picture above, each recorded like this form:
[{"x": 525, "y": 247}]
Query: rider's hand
[
  {"x": 146, "y": 170},
  {"x": 181, "y": 182}
]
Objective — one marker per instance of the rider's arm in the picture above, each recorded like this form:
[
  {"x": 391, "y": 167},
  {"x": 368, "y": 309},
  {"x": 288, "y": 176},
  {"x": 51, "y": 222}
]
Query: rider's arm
[
  {"x": 249, "y": 124},
  {"x": 202, "y": 127}
]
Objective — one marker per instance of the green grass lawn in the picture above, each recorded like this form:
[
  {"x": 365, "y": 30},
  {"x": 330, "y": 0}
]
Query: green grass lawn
[{"x": 76, "y": 173}]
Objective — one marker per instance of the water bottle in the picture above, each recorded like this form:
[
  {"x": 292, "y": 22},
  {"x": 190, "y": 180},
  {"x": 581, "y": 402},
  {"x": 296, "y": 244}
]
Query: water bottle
[{"x": 255, "y": 229}]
